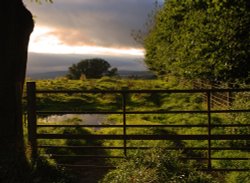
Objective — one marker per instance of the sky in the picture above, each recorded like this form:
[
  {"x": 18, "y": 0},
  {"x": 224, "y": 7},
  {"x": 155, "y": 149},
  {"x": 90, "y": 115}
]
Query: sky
[{"x": 70, "y": 30}]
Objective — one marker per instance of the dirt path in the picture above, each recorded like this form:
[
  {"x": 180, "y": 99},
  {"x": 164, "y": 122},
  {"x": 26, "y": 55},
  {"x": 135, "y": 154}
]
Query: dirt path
[{"x": 89, "y": 175}]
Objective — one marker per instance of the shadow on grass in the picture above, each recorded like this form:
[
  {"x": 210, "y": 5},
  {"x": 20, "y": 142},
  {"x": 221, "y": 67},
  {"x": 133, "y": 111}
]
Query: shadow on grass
[{"x": 78, "y": 154}]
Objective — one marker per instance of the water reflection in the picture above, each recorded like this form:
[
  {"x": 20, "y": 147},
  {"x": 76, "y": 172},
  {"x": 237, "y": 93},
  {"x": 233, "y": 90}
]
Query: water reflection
[{"x": 90, "y": 119}]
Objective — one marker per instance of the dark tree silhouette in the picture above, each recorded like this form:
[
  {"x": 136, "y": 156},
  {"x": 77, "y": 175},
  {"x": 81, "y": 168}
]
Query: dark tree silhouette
[
  {"x": 91, "y": 68},
  {"x": 16, "y": 27}
]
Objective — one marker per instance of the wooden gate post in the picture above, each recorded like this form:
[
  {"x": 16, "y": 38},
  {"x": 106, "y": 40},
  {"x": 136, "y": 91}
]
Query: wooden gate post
[{"x": 31, "y": 110}]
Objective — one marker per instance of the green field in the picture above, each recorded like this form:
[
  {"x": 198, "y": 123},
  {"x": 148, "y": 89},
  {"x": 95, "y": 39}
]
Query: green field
[{"x": 135, "y": 166}]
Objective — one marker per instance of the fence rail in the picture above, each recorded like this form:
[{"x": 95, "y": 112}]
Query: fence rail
[{"x": 34, "y": 136}]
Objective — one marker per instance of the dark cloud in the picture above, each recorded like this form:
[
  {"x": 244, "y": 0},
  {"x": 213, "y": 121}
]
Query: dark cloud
[
  {"x": 40, "y": 63},
  {"x": 105, "y": 23}
]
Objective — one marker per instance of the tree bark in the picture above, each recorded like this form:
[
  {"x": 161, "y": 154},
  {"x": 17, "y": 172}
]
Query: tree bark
[{"x": 17, "y": 25}]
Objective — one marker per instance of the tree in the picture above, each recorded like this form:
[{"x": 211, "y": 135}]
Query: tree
[
  {"x": 91, "y": 68},
  {"x": 201, "y": 39},
  {"x": 16, "y": 27}
]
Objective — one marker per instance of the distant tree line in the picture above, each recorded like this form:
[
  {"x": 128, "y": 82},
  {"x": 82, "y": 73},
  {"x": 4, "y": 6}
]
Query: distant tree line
[
  {"x": 91, "y": 68},
  {"x": 201, "y": 39}
]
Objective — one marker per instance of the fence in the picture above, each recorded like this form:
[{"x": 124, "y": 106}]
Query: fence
[
  {"x": 218, "y": 99},
  {"x": 209, "y": 137}
]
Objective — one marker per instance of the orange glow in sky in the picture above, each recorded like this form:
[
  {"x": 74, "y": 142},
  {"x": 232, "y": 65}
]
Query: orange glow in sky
[{"x": 41, "y": 41}]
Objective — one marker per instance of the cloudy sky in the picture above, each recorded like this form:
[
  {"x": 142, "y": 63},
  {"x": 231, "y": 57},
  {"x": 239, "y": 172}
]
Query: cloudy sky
[{"x": 69, "y": 30}]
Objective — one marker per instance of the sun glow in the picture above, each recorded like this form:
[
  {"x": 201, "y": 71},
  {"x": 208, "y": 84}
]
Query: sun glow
[{"x": 42, "y": 41}]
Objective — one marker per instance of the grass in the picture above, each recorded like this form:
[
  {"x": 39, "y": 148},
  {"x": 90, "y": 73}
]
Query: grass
[
  {"x": 144, "y": 102},
  {"x": 157, "y": 166}
]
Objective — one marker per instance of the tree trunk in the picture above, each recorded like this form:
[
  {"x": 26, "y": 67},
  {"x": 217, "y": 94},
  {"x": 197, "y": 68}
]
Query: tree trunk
[{"x": 17, "y": 25}]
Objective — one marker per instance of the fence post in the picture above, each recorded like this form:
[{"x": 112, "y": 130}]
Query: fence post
[
  {"x": 124, "y": 100},
  {"x": 31, "y": 111},
  {"x": 229, "y": 99},
  {"x": 209, "y": 165}
]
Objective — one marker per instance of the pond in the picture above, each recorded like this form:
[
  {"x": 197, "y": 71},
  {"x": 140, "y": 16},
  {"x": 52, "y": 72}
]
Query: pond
[{"x": 81, "y": 119}]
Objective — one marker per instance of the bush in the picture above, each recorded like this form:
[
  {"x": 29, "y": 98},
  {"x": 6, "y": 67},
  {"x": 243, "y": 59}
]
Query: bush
[
  {"x": 238, "y": 177},
  {"x": 156, "y": 166}
]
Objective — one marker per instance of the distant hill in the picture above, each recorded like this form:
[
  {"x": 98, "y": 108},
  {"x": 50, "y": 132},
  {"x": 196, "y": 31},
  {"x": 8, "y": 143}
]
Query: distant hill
[
  {"x": 46, "y": 75},
  {"x": 122, "y": 73}
]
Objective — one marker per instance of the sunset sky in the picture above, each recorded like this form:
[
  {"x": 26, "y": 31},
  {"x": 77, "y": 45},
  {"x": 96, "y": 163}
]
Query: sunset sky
[{"x": 87, "y": 28}]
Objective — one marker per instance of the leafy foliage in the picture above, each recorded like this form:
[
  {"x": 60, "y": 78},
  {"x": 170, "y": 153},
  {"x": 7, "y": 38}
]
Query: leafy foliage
[
  {"x": 201, "y": 39},
  {"x": 91, "y": 68},
  {"x": 156, "y": 166}
]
